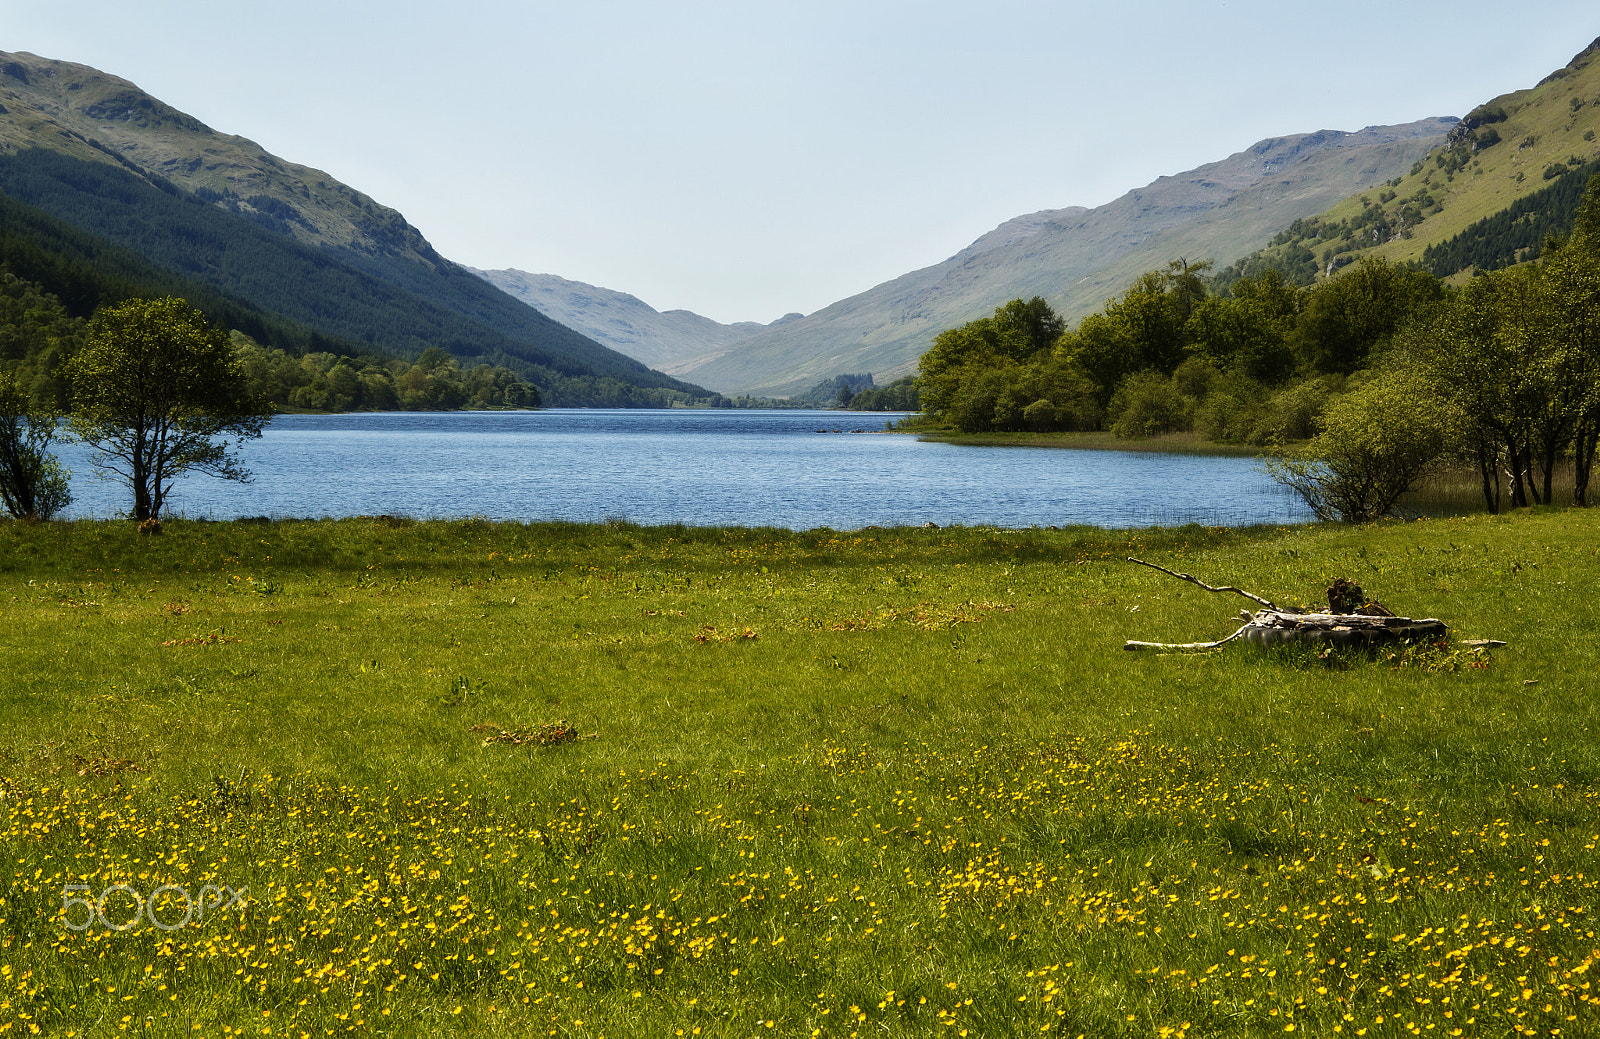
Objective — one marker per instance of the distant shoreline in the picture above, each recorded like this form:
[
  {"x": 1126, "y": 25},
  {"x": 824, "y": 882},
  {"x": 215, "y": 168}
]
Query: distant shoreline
[{"x": 1167, "y": 443}]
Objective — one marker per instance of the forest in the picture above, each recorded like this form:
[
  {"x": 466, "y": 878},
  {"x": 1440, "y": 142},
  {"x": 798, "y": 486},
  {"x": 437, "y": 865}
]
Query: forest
[
  {"x": 38, "y": 333},
  {"x": 1503, "y": 373}
]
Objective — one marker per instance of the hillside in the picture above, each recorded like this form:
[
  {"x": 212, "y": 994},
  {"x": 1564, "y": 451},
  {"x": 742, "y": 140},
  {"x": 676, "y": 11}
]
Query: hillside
[
  {"x": 95, "y": 151},
  {"x": 1503, "y": 154},
  {"x": 670, "y": 341},
  {"x": 1076, "y": 258}
]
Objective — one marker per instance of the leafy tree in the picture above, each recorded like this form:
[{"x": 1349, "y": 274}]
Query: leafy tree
[
  {"x": 36, "y": 333},
  {"x": 1573, "y": 271},
  {"x": 1518, "y": 351},
  {"x": 1349, "y": 319},
  {"x": 1143, "y": 330},
  {"x": 157, "y": 392},
  {"x": 1017, "y": 333},
  {"x": 33, "y": 485},
  {"x": 1031, "y": 323},
  {"x": 1250, "y": 328},
  {"x": 1376, "y": 443}
]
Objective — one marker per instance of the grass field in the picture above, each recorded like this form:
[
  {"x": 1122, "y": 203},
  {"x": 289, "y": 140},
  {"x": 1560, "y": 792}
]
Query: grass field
[{"x": 507, "y": 780}]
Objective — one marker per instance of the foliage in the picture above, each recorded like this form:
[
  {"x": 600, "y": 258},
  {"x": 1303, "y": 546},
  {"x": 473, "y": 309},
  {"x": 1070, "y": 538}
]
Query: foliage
[
  {"x": 1375, "y": 444},
  {"x": 1018, "y": 332},
  {"x": 1149, "y": 403},
  {"x": 1518, "y": 351},
  {"x": 934, "y": 768},
  {"x": 1249, "y": 329},
  {"x": 837, "y": 392},
  {"x": 326, "y": 382},
  {"x": 33, "y": 485},
  {"x": 1350, "y": 319},
  {"x": 158, "y": 393},
  {"x": 900, "y": 395},
  {"x": 1245, "y": 365},
  {"x": 36, "y": 333}
]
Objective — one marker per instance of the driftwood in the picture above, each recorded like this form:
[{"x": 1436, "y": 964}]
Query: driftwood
[{"x": 1274, "y": 625}]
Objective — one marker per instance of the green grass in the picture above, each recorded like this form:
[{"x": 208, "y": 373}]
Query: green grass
[{"x": 898, "y": 782}]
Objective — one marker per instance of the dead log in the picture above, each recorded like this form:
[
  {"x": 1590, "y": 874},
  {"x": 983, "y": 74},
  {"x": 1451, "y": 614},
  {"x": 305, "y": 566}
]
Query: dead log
[{"x": 1274, "y": 626}]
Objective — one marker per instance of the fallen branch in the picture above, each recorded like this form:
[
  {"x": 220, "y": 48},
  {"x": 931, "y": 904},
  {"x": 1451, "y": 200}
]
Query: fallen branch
[
  {"x": 1195, "y": 580},
  {"x": 1186, "y": 645},
  {"x": 1274, "y": 625}
]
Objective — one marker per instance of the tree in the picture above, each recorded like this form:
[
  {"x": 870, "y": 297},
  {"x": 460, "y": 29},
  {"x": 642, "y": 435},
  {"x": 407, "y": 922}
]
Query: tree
[
  {"x": 157, "y": 392},
  {"x": 1375, "y": 444},
  {"x": 1143, "y": 330},
  {"x": 1350, "y": 318},
  {"x": 1573, "y": 271},
  {"x": 32, "y": 483},
  {"x": 1018, "y": 332},
  {"x": 1518, "y": 350}
]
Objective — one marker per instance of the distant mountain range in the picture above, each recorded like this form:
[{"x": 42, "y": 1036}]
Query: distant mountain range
[
  {"x": 1076, "y": 258},
  {"x": 669, "y": 341},
  {"x": 99, "y": 154},
  {"x": 96, "y": 173}
]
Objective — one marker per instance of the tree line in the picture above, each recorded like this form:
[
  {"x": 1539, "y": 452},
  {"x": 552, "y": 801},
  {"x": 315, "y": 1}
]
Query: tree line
[
  {"x": 1502, "y": 374},
  {"x": 38, "y": 335}
]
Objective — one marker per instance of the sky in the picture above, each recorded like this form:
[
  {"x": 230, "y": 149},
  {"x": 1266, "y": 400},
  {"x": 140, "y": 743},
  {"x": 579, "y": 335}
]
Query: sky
[{"x": 747, "y": 160}]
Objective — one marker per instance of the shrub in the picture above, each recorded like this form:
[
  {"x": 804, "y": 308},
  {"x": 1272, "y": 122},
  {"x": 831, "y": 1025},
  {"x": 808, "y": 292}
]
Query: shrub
[
  {"x": 1293, "y": 414},
  {"x": 1147, "y": 404},
  {"x": 1234, "y": 410},
  {"x": 1375, "y": 444}
]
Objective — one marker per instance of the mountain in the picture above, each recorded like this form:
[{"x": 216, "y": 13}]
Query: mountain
[
  {"x": 1076, "y": 258},
  {"x": 1510, "y": 171},
  {"x": 668, "y": 341},
  {"x": 96, "y": 152}
]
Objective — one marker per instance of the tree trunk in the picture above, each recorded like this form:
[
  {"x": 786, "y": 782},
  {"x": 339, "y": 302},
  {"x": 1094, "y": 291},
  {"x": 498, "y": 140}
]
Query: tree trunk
[
  {"x": 141, "y": 488},
  {"x": 1583, "y": 450},
  {"x": 1489, "y": 472},
  {"x": 1519, "y": 496}
]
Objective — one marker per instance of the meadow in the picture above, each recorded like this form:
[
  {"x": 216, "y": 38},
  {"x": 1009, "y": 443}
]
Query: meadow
[{"x": 383, "y": 777}]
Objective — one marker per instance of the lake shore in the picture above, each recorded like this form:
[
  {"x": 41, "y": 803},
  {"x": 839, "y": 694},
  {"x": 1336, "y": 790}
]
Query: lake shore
[{"x": 1097, "y": 440}]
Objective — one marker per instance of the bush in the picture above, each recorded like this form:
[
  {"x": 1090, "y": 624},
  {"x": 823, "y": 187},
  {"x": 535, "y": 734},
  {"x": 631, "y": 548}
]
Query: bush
[
  {"x": 1293, "y": 414},
  {"x": 1375, "y": 444},
  {"x": 1149, "y": 403},
  {"x": 1235, "y": 409}
]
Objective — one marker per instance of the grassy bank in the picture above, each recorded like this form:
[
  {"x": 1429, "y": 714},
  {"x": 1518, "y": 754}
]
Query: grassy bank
[
  {"x": 512, "y": 780},
  {"x": 1190, "y": 443}
]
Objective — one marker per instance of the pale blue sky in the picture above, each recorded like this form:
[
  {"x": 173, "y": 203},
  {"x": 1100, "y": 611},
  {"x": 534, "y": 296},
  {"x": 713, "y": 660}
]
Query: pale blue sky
[{"x": 745, "y": 160}]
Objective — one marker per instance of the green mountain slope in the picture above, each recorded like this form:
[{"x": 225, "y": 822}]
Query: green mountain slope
[
  {"x": 83, "y": 271},
  {"x": 1531, "y": 149},
  {"x": 94, "y": 151},
  {"x": 1075, "y": 258}
]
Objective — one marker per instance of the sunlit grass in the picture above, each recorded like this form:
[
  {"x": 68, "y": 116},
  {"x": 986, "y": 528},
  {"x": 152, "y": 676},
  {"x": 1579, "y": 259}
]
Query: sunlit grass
[{"x": 510, "y": 780}]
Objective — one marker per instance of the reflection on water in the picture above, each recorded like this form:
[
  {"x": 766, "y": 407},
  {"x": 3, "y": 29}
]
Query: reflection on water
[{"x": 793, "y": 469}]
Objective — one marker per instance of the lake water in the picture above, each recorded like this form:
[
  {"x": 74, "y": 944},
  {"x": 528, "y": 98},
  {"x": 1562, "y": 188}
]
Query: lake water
[{"x": 793, "y": 469}]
